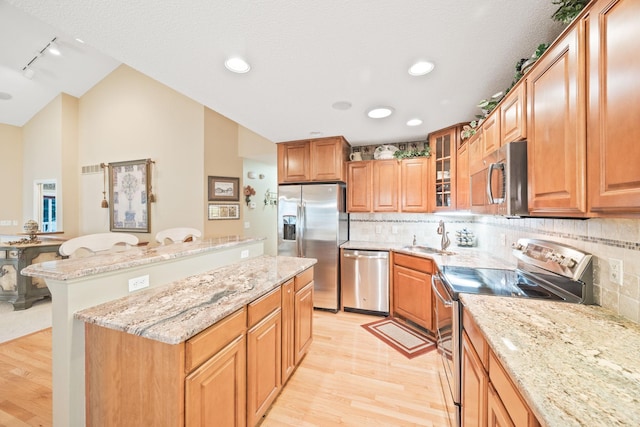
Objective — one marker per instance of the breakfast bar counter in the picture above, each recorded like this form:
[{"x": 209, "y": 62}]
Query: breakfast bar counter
[
  {"x": 575, "y": 365},
  {"x": 174, "y": 313}
]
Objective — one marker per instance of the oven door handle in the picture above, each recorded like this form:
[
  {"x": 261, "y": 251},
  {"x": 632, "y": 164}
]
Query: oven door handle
[{"x": 438, "y": 294}]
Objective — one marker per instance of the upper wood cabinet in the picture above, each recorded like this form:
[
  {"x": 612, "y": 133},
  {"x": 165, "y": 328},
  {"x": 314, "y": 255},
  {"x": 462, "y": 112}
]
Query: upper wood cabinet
[
  {"x": 513, "y": 119},
  {"x": 385, "y": 185},
  {"x": 614, "y": 107},
  {"x": 444, "y": 148},
  {"x": 491, "y": 133},
  {"x": 462, "y": 178},
  {"x": 314, "y": 160},
  {"x": 414, "y": 185},
  {"x": 388, "y": 185},
  {"x": 556, "y": 147},
  {"x": 359, "y": 182}
]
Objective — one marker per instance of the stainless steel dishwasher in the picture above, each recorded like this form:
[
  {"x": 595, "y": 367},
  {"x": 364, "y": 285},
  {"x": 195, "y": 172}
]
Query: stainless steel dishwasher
[{"x": 365, "y": 281}]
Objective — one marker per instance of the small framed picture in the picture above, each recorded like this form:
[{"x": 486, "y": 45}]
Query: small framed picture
[
  {"x": 228, "y": 211},
  {"x": 224, "y": 189}
]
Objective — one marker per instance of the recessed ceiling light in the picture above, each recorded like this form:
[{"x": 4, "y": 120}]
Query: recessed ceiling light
[
  {"x": 79, "y": 40},
  {"x": 380, "y": 112},
  {"x": 237, "y": 65},
  {"x": 414, "y": 122},
  {"x": 421, "y": 68},
  {"x": 4, "y": 96},
  {"x": 28, "y": 72},
  {"x": 341, "y": 105},
  {"x": 315, "y": 134}
]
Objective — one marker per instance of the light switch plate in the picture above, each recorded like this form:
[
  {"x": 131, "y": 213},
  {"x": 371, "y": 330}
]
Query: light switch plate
[{"x": 244, "y": 253}]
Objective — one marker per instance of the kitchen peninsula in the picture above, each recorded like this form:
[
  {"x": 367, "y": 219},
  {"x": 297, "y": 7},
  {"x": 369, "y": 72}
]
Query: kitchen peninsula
[{"x": 79, "y": 283}]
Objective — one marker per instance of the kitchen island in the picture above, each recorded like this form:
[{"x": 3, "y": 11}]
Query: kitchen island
[
  {"x": 209, "y": 349},
  {"x": 79, "y": 283}
]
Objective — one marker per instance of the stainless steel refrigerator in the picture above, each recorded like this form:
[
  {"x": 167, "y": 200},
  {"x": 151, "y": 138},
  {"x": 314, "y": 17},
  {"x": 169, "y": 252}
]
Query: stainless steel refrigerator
[{"x": 313, "y": 223}]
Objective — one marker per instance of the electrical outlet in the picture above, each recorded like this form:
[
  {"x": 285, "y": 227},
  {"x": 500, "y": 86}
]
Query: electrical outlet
[
  {"x": 503, "y": 239},
  {"x": 378, "y": 229},
  {"x": 244, "y": 253},
  {"x": 247, "y": 224},
  {"x": 139, "y": 283},
  {"x": 615, "y": 271}
]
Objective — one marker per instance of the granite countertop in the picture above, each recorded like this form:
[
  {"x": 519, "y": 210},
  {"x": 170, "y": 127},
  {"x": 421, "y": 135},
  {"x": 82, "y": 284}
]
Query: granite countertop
[
  {"x": 74, "y": 268},
  {"x": 175, "y": 312},
  {"x": 463, "y": 256},
  {"x": 575, "y": 365}
]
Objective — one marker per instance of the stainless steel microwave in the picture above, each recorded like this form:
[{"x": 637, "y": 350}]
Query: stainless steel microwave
[{"x": 501, "y": 188}]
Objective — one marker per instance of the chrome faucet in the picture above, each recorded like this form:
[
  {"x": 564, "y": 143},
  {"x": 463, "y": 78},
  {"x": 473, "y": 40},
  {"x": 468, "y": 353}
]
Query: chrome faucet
[{"x": 445, "y": 241}]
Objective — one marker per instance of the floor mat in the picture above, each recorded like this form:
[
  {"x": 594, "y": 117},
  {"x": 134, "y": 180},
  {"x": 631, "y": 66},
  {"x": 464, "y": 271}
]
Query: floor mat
[{"x": 400, "y": 337}]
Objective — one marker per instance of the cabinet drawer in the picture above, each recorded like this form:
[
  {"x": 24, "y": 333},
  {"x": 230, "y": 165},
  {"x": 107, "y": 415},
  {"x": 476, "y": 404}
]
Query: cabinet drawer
[
  {"x": 260, "y": 308},
  {"x": 476, "y": 338},
  {"x": 509, "y": 395},
  {"x": 303, "y": 279},
  {"x": 213, "y": 339},
  {"x": 416, "y": 263}
]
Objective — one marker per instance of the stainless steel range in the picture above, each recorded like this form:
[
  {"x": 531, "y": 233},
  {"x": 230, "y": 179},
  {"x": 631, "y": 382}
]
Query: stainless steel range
[{"x": 545, "y": 269}]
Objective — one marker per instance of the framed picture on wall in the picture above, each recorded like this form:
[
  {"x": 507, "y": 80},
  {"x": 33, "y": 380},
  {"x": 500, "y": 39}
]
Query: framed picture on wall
[
  {"x": 227, "y": 211},
  {"x": 128, "y": 191},
  {"x": 224, "y": 189}
]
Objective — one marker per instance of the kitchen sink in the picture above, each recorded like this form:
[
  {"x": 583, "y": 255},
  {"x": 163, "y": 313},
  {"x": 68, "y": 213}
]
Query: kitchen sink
[{"x": 427, "y": 250}]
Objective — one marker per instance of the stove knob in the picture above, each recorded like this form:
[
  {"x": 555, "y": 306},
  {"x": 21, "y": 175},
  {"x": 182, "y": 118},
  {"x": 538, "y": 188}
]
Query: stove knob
[
  {"x": 569, "y": 262},
  {"x": 517, "y": 246}
]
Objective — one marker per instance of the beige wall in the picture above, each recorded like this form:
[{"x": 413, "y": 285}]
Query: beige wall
[
  {"x": 261, "y": 219},
  {"x": 221, "y": 159},
  {"x": 11, "y": 177},
  {"x": 42, "y": 142},
  {"x": 128, "y": 116}
]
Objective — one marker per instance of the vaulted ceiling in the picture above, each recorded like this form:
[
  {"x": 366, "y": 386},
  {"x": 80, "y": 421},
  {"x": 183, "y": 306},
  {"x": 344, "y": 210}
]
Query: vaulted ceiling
[{"x": 305, "y": 56}]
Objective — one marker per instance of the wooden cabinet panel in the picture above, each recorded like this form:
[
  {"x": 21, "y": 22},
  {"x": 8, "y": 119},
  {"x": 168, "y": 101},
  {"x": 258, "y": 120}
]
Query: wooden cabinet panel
[
  {"x": 476, "y": 339},
  {"x": 515, "y": 405},
  {"x": 614, "y": 107},
  {"x": 412, "y": 295},
  {"x": 475, "y": 153},
  {"x": 556, "y": 147},
  {"x": 513, "y": 119},
  {"x": 303, "y": 321},
  {"x": 264, "y": 366},
  {"x": 385, "y": 185},
  {"x": 213, "y": 339},
  {"x": 313, "y": 160},
  {"x": 491, "y": 133},
  {"x": 288, "y": 330},
  {"x": 328, "y": 157},
  {"x": 216, "y": 392},
  {"x": 462, "y": 178},
  {"x": 293, "y": 162},
  {"x": 496, "y": 412},
  {"x": 359, "y": 188},
  {"x": 414, "y": 185},
  {"x": 474, "y": 386},
  {"x": 120, "y": 368},
  {"x": 442, "y": 176}
]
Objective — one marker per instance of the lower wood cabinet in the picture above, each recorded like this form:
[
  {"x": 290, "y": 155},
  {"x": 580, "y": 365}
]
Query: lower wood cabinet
[
  {"x": 412, "y": 289},
  {"x": 227, "y": 375},
  {"x": 264, "y": 365},
  {"x": 216, "y": 392},
  {"x": 489, "y": 396}
]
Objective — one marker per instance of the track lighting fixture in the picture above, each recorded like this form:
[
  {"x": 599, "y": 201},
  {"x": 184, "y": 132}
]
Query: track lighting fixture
[{"x": 52, "y": 47}]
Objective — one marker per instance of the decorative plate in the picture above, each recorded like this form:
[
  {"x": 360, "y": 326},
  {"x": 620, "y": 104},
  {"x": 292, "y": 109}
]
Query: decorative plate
[{"x": 384, "y": 152}]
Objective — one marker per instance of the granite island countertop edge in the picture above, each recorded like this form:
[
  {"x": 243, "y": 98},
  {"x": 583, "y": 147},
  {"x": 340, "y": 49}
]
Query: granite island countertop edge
[{"x": 175, "y": 312}]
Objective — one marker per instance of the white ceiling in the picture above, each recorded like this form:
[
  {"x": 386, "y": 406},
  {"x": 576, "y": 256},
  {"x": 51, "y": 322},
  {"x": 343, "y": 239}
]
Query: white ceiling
[{"x": 305, "y": 56}]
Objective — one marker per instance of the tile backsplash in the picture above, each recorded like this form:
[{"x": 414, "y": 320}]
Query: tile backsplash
[{"x": 605, "y": 239}]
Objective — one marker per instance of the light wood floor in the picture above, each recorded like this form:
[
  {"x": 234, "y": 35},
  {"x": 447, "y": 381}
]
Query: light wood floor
[{"x": 349, "y": 378}]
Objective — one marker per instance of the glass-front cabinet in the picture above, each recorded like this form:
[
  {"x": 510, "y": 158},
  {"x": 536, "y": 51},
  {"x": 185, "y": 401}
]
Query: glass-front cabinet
[{"x": 444, "y": 145}]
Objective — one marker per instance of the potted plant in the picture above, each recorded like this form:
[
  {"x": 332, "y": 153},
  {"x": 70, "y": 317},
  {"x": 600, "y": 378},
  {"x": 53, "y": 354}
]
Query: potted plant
[{"x": 568, "y": 9}]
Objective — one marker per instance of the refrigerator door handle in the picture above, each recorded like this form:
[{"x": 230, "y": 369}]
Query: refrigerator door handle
[{"x": 303, "y": 226}]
